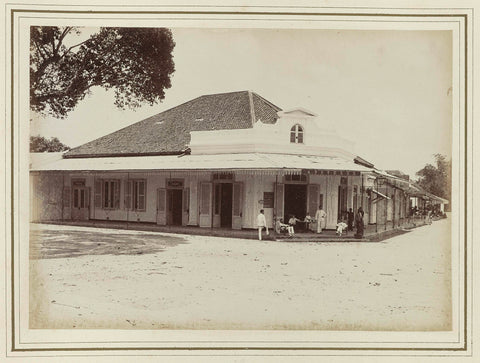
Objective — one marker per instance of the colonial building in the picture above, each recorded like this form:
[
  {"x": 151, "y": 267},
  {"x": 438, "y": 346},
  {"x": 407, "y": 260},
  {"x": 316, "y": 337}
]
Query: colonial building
[{"x": 215, "y": 161}]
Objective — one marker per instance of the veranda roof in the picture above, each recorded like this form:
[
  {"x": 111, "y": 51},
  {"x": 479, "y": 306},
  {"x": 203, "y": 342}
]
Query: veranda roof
[{"x": 259, "y": 162}]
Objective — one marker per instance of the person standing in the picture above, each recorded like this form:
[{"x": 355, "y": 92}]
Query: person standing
[
  {"x": 320, "y": 217},
  {"x": 350, "y": 219},
  {"x": 261, "y": 223},
  {"x": 359, "y": 223}
]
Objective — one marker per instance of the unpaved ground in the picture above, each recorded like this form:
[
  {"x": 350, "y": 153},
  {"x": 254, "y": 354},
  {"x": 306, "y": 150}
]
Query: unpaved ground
[{"x": 100, "y": 278}]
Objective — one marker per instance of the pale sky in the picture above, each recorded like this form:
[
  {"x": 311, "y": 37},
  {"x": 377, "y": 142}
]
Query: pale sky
[{"x": 388, "y": 91}]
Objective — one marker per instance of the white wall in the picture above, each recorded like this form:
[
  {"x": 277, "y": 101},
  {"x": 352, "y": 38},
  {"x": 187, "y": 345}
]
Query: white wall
[
  {"x": 254, "y": 187},
  {"x": 274, "y": 138},
  {"x": 46, "y": 193}
]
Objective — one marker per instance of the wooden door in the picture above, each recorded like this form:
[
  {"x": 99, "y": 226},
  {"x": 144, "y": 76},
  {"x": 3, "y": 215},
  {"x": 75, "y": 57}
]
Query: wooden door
[
  {"x": 186, "y": 206},
  {"x": 205, "y": 205},
  {"x": 237, "y": 203},
  {"x": 312, "y": 203},
  {"x": 217, "y": 204},
  {"x": 80, "y": 207},
  {"x": 162, "y": 206},
  {"x": 279, "y": 199}
]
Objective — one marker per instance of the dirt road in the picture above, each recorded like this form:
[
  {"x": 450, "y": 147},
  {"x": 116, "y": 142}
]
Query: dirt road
[{"x": 100, "y": 278}]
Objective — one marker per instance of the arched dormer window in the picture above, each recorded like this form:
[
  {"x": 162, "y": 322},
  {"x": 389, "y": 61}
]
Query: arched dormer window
[{"x": 296, "y": 134}]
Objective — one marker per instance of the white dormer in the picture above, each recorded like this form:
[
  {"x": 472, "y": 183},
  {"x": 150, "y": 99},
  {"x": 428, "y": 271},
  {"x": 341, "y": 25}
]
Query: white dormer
[
  {"x": 298, "y": 112},
  {"x": 296, "y": 131}
]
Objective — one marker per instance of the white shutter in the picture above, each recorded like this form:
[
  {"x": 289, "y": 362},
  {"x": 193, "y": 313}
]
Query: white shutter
[
  {"x": 237, "y": 205},
  {"x": 205, "y": 207},
  {"x": 279, "y": 201}
]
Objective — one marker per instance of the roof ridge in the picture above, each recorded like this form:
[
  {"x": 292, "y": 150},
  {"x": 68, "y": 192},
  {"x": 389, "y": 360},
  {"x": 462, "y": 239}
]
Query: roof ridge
[
  {"x": 252, "y": 107},
  {"x": 222, "y": 93},
  {"x": 267, "y": 101}
]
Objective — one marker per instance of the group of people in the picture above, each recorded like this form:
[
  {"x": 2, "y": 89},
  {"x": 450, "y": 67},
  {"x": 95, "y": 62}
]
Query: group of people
[
  {"x": 317, "y": 223},
  {"x": 350, "y": 218}
]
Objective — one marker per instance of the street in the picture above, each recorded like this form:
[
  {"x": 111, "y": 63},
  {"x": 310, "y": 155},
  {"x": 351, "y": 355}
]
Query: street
[{"x": 84, "y": 277}]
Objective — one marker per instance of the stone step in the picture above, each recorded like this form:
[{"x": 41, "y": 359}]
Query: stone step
[{"x": 320, "y": 239}]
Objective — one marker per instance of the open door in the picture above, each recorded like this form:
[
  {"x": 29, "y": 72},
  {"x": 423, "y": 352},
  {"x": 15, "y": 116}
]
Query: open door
[
  {"x": 279, "y": 201},
  {"x": 205, "y": 205},
  {"x": 237, "y": 205},
  {"x": 162, "y": 206}
]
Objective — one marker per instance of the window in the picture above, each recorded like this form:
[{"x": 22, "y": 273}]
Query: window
[
  {"x": 111, "y": 194},
  {"x": 296, "y": 134},
  {"x": 135, "y": 191},
  {"x": 107, "y": 193}
]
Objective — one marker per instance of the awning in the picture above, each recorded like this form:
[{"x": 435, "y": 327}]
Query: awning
[
  {"x": 438, "y": 199},
  {"x": 380, "y": 194},
  {"x": 392, "y": 178},
  {"x": 261, "y": 162}
]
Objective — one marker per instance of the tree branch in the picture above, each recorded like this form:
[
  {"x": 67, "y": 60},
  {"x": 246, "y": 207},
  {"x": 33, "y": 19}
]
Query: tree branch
[
  {"x": 62, "y": 36},
  {"x": 39, "y": 50},
  {"x": 73, "y": 46}
]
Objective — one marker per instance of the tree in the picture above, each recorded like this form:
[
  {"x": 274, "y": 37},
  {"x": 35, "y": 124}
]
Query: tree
[
  {"x": 437, "y": 179},
  {"x": 136, "y": 62},
  {"x": 40, "y": 144}
]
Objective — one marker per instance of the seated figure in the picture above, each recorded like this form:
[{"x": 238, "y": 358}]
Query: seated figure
[
  {"x": 281, "y": 227},
  {"x": 341, "y": 227},
  {"x": 310, "y": 223}
]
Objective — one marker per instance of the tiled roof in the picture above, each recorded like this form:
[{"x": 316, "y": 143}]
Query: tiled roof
[{"x": 169, "y": 132}]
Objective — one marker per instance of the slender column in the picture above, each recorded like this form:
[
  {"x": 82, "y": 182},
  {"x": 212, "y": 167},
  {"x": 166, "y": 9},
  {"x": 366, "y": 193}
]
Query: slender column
[
  {"x": 376, "y": 206},
  {"x": 131, "y": 200},
  {"x": 275, "y": 200},
  {"x": 63, "y": 196},
  {"x": 386, "y": 205}
]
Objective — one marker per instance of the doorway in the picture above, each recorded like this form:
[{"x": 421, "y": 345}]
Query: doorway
[
  {"x": 295, "y": 201},
  {"x": 80, "y": 203},
  {"x": 223, "y": 205},
  {"x": 174, "y": 203},
  {"x": 226, "y": 205},
  {"x": 342, "y": 198}
]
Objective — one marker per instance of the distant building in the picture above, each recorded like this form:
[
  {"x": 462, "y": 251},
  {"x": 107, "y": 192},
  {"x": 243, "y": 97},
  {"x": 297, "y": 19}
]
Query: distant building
[{"x": 215, "y": 161}]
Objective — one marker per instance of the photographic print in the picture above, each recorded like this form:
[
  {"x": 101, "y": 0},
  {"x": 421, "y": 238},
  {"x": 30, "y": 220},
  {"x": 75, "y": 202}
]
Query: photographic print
[
  {"x": 321, "y": 157},
  {"x": 231, "y": 179}
]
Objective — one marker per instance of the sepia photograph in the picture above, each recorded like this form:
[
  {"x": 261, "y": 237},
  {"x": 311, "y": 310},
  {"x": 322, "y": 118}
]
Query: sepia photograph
[
  {"x": 272, "y": 179},
  {"x": 260, "y": 181}
]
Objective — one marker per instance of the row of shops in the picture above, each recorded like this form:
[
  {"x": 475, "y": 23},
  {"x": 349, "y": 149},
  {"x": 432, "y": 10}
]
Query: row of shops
[{"x": 219, "y": 172}]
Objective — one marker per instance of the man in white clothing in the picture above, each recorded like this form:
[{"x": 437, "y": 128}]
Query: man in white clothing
[
  {"x": 261, "y": 223},
  {"x": 320, "y": 217}
]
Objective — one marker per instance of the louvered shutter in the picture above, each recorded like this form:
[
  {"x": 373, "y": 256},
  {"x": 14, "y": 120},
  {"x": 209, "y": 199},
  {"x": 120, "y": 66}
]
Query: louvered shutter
[
  {"x": 128, "y": 194},
  {"x": 98, "y": 193},
  {"x": 116, "y": 196},
  {"x": 312, "y": 199},
  {"x": 141, "y": 195},
  {"x": 279, "y": 201}
]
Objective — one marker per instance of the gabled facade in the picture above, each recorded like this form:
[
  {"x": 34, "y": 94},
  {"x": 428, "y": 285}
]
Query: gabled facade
[{"x": 215, "y": 162}]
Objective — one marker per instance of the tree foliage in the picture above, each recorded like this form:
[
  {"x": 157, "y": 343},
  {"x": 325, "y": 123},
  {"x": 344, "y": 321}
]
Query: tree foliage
[
  {"x": 40, "y": 144},
  {"x": 437, "y": 179},
  {"x": 135, "y": 62}
]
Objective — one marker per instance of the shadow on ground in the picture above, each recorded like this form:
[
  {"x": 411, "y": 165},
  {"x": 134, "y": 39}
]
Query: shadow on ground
[{"x": 61, "y": 244}]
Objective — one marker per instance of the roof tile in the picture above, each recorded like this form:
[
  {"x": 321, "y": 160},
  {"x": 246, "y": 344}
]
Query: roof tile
[{"x": 169, "y": 132}]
